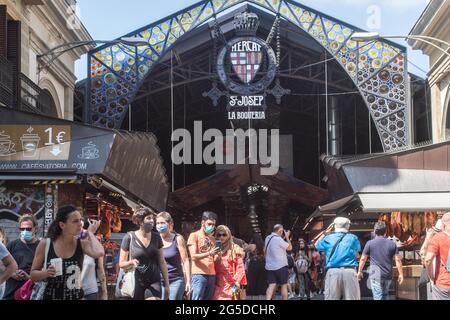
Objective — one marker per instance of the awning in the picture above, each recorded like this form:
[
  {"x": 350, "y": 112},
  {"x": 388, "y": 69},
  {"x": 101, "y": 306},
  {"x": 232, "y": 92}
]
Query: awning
[
  {"x": 387, "y": 202},
  {"x": 33, "y": 145},
  {"x": 36, "y": 175},
  {"x": 416, "y": 171},
  {"x": 404, "y": 202}
]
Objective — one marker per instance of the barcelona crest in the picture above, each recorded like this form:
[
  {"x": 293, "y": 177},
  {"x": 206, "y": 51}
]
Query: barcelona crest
[{"x": 246, "y": 58}]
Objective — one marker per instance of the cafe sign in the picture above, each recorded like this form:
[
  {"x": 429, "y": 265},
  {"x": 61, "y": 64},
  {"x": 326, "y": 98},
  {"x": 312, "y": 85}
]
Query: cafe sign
[{"x": 50, "y": 147}]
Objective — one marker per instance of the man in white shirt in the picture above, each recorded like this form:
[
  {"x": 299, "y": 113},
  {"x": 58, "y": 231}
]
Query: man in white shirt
[{"x": 276, "y": 247}]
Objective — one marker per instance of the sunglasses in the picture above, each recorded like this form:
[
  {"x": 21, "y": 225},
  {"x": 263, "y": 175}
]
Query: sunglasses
[
  {"x": 221, "y": 235},
  {"x": 26, "y": 229}
]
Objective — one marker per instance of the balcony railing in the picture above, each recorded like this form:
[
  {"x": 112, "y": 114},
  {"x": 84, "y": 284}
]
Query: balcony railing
[
  {"x": 34, "y": 99},
  {"x": 6, "y": 83}
]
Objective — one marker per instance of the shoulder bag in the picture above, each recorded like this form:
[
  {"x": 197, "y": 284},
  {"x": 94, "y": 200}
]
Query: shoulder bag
[
  {"x": 126, "y": 282},
  {"x": 333, "y": 250},
  {"x": 39, "y": 287}
]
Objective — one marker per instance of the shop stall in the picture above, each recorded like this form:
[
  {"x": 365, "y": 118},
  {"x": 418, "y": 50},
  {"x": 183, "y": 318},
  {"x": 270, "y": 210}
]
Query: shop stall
[
  {"x": 408, "y": 190},
  {"x": 46, "y": 163}
]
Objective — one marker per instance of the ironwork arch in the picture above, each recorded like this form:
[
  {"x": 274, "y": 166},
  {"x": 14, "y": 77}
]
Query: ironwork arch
[{"x": 378, "y": 68}]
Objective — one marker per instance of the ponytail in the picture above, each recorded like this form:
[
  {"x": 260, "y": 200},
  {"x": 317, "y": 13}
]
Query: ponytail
[{"x": 54, "y": 231}]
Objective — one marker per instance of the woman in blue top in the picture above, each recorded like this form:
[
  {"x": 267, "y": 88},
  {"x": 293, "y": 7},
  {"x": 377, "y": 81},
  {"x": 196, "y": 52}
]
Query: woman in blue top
[{"x": 176, "y": 256}]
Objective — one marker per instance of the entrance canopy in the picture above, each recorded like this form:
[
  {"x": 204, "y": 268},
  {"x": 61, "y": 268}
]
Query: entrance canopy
[
  {"x": 378, "y": 68},
  {"x": 35, "y": 147}
]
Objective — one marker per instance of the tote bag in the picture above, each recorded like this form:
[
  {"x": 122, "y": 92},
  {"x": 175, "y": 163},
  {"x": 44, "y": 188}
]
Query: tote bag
[{"x": 125, "y": 284}]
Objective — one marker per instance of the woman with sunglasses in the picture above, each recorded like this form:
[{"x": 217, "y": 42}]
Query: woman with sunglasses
[
  {"x": 230, "y": 270},
  {"x": 23, "y": 251}
]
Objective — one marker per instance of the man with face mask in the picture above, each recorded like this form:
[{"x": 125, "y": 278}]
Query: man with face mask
[
  {"x": 22, "y": 250},
  {"x": 202, "y": 248}
]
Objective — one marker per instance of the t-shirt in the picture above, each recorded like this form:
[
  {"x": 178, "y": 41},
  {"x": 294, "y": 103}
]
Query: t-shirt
[
  {"x": 3, "y": 251},
  {"x": 88, "y": 277},
  {"x": 381, "y": 252},
  {"x": 23, "y": 253},
  {"x": 67, "y": 286},
  {"x": 202, "y": 244},
  {"x": 148, "y": 271},
  {"x": 276, "y": 255},
  {"x": 346, "y": 251},
  {"x": 440, "y": 245}
]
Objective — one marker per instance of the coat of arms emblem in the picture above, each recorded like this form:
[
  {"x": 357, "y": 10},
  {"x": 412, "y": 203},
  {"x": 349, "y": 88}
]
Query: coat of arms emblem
[{"x": 246, "y": 58}]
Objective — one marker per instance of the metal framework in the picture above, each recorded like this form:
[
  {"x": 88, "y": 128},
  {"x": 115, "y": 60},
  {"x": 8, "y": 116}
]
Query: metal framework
[{"x": 378, "y": 68}]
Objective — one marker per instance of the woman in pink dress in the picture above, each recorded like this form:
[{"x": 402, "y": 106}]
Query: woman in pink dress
[{"x": 230, "y": 271}]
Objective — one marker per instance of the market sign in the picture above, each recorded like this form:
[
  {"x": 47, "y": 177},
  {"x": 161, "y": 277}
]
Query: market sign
[{"x": 247, "y": 67}]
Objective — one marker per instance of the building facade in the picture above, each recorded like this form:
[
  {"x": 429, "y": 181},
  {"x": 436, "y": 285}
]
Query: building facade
[
  {"x": 29, "y": 29},
  {"x": 434, "y": 23}
]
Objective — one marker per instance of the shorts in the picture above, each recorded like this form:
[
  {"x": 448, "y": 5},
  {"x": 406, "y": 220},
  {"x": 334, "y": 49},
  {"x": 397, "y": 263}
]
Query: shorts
[{"x": 279, "y": 277}]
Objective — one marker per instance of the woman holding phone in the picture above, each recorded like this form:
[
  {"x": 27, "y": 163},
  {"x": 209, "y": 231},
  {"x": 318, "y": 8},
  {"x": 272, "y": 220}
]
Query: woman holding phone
[
  {"x": 68, "y": 245},
  {"x": 230, "y": 270}
]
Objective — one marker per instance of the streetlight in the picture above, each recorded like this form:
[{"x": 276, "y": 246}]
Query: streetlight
[
  {"x": 370, "y": 36},
  {"x": 56, "y": 52}
]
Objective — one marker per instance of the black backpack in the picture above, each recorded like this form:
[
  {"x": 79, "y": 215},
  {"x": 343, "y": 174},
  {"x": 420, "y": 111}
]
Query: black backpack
[{"x": 291, "y": 262}]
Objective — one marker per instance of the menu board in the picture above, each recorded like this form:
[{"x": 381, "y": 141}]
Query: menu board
[{"x": 37, "y": 142}]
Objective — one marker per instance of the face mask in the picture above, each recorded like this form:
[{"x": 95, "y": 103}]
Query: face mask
[
  {"x": 148, "y": 227},
  {"x": 209, "y": 229},
  {"x": 26, "y": 235},
  {"x": 162, "y": 228}
]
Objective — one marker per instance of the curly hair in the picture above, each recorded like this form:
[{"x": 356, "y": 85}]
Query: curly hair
[{"x": 140, "y": 214}]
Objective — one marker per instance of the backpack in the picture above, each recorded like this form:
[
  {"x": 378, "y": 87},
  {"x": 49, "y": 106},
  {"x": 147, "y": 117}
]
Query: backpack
[
  {"x": 302, "y": 264},
  {"x": 290, "y": 260}
]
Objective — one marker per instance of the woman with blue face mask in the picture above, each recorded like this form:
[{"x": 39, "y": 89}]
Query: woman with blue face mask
[
  {"x": 23, "y": 251},
  {"x": 176, "y": 256}
]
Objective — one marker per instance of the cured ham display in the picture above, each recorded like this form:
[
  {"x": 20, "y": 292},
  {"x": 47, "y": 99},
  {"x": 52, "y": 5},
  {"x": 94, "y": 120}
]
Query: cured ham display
[{"x": 408, "y": 227}]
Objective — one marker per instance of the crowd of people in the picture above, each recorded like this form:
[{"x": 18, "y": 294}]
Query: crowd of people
[{"x": 212, "y": 264}]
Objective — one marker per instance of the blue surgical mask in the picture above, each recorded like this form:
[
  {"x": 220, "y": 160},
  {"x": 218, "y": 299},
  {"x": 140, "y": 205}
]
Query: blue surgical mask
[
  {"x": 209, "y": 229},
  {"x": 162, "y": 228},
  {"x": 26, "y": 235}
]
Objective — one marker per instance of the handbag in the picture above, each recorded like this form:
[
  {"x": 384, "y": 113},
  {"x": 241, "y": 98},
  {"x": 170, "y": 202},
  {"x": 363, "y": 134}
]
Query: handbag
[
  {"x": 126, "y": 281},
  {"x": 39, "y": 287},
  {"x": 24, "y": 292},
  {"x": 31, "y": 290},
  {"x": 424, "y": 278}
]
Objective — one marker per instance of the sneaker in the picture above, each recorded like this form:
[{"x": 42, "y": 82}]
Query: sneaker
[{"x": 291, "y": 296}]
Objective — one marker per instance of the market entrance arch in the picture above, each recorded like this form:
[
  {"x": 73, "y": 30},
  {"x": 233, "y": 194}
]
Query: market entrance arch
[{"x": 378, "y": 68}]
